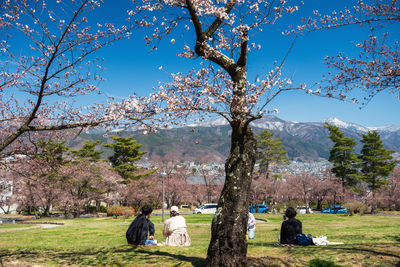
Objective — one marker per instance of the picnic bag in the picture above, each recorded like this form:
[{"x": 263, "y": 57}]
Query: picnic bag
[{"x": 303, "y": 240}]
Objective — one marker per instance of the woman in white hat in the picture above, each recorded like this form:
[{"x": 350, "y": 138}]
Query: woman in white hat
[{"x": 175, "y": 229}]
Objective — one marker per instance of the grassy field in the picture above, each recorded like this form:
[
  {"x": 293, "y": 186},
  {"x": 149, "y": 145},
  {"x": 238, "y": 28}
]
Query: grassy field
[{"x": 369, "y": 241}]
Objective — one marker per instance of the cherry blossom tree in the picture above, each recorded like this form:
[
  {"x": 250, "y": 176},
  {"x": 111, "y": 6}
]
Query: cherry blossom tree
[
  {"x": 220, "y": 34},
  {"x": 266, "y": 189},
  {"x": 52, "y": 178},
  {"x": 84, "y": 182},
  {"x": 28, "y": 185},
  {"x": 392, "y": 194},
  {"x": 87, "y": 180},
  {"x": 8, "y": 182},
  {"x": 211, "y": 178},
  {"x": 376, "y": 67},
  {"x": 48, "y": 60},
  {"x": 327, "y": 188},
  {"x": 302, "y": 185},
  {"x": 36, "y": 177},
  {"x": 111, "y": 186},
  {"x": 176, "y": 184},
  {"x": 142, "y": 191},
  {"x": 258, "y": 190}
]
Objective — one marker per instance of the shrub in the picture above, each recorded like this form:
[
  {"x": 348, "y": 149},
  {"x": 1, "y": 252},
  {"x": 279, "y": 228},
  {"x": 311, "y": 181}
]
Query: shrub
[
  {"x": 120, "y": 211},
  {"x": 294, "y": 203},
  {"x": 92, "y": 209},
  {"x": 103, "y": 209},
  {"x": 322, "y": 263},
  {"x": 356, "y": 207},
  {"x": 128, "y": 212}
]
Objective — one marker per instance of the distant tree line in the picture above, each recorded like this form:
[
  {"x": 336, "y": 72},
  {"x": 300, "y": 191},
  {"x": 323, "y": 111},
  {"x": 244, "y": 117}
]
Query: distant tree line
[
  {"x": 354, "y": 177},
  {"x": 58, "y": 178}
]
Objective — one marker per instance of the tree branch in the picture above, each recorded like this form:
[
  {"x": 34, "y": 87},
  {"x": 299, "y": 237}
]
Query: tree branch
[
  {"x": 243, "y": 50},
  {"x": 196, "y": 21},
  {"x": 27, "y": 128},
  {"x": 218, "y": 21}
]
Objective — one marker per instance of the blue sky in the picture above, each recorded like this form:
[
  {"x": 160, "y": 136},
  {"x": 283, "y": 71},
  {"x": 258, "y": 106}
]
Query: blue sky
[{"x": 130, "y": 68}]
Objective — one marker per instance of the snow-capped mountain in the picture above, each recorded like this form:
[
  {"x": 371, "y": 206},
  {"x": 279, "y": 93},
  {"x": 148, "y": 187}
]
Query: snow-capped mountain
[
  {"x": 273, "y": 123},
  {"x": 357, "y": 127},
  {"x": 346, "y": 125},
  {"x": 391, "y": 128},
  {"x": 210, "y": 123},
  {"x": 210, "y": 139}
]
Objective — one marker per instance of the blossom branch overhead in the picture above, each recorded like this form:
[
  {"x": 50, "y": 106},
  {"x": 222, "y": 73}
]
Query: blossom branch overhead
[
  {"x": 223, "y": 31},
  {"x": 40, "y": 80},
  {"x": 376, "y": 67}
]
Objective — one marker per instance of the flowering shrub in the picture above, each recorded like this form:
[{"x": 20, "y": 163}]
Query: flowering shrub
[{"x": 120, "y": 211}]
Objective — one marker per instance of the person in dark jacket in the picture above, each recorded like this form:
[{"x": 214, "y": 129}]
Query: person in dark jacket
[
  {"x": 141, "y": 230},
  {"x": 290, "y": 227}
]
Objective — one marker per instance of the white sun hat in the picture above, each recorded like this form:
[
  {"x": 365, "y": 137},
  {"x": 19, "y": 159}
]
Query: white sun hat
[{"x": 175, "y": 208}]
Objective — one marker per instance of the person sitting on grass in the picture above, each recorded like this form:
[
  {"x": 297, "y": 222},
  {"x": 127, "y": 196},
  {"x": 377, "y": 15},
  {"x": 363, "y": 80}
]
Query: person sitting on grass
[
  {"x": 290, "y": 227},
  {"x": 141, "y": 230},
  {"x": 175, "y": 230},
  {"x": 251, "y": 226}
]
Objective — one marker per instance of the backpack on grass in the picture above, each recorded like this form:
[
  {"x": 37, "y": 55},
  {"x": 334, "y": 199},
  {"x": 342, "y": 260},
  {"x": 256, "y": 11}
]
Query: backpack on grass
[{"x": 303, "y": 240}]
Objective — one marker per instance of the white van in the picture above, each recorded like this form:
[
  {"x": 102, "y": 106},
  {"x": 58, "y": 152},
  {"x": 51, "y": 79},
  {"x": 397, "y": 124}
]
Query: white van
[
  {"x": 206, "y": 209},
  {"x": 303, "y": 210}
]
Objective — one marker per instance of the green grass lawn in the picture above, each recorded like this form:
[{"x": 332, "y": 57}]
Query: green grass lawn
[{"x": 369, "y": 241}]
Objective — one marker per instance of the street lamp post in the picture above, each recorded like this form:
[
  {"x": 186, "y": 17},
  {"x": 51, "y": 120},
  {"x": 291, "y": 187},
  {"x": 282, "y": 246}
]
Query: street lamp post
[{"x": 163, "y": 174}]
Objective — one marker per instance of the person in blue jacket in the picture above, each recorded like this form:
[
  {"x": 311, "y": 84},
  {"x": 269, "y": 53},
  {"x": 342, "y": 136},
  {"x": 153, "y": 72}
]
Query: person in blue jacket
[{"x": 141, "y": 230}]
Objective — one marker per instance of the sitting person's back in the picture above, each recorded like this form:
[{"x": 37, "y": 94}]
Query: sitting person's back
[
  {"x": 175, "y": 230},
  {"x": 290, "y": 227},
  {"x": 141, "y": 230}
]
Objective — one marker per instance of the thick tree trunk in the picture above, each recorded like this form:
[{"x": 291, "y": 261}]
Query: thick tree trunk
[
  {"x": 46, "y": 211},
  {"x": 228, "y": 245},
  {"x": 77, "y": 211}
]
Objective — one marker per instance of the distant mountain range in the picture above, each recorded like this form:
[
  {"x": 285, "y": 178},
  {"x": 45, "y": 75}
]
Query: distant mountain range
[{"x": 209, "y": 141}]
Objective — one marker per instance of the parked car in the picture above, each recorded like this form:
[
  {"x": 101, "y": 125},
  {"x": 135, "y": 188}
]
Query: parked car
[
  {"x": 303, "y": 210},
  {"x": 210, "y": 208},
  {"x": 335, "y": 209},
  {"x": 259, "y": 208}
]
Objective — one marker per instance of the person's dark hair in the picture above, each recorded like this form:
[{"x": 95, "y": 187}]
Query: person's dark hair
[
  {"x": 146, "y": 210},
  {"x": 290, "y": 212}
]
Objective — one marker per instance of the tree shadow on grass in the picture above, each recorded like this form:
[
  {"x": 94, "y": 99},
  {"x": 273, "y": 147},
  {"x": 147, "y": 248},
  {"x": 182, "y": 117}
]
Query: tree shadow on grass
[
  {"x": 381, "y": 254},
  {"x": 196, "y": 261},
  {"x": 26, "y": 253},
  {"x": 117, "y": 256},
  {"x": 358, "y": 249},
  {"x": 267, "y": 261},
  {"x": 394, "y": 237},
  {"x": 263, "y": 244},
  {"x": 200, "y": 262},
  {"x": 371, "y": 251},
  {"x": 129, "y": 256},
  {"x": 344, "y": 248},
  {"x": 381, "y": 250}
]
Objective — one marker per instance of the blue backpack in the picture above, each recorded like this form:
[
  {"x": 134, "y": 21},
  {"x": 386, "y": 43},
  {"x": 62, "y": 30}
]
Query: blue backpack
[{"x": 303, "y": 240}]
